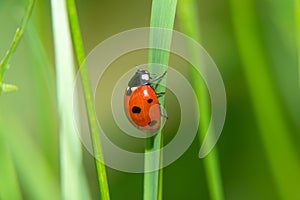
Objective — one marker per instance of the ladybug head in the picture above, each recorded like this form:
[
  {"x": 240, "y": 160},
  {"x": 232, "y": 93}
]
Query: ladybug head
[
  {"x": 141, "y": 77},
  {"x": 143, "y": 73}
]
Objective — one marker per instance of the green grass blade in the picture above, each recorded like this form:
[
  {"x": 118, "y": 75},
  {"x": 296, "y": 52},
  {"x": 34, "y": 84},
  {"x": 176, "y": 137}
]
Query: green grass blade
[
  {"x": 162, "y": 16},
  {"x": 43, "y": 73},
  {"x": 92, "y": 118},
  {"x": 17, "y": 38},
  {"x": 273, "y": 129},
  {"x": 72, "y": 173},
  {"x": 37, "y": 179},
  {"x": 9, "y": 186},
  {"x": 189, "y": 23},
  {"x": 297, "y": 25}
]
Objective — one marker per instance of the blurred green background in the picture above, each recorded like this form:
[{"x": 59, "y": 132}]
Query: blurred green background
[{"x": 252, "y": 135}]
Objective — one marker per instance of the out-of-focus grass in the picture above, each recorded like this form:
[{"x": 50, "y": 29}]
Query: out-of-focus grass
[
  {"x": 19, "y": 148},
  {"x": 297, "y": 25},
  {"x": 28, "y": 118},
  {"x": 36, "y": 177},
  {"x": 278, "y": 24},
  {"x": 73, "y": 181},
  {"x": 9, "y": 181},
  {"x": 43, "y": 74},
  {"x": 190, "y": 24},
  {"x": 274, "y": 131}
]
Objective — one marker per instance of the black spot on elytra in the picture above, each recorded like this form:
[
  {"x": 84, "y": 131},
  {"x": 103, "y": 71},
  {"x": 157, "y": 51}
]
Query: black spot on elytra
[
  {"x": 136, "y": 109},
  {"x": 152, "y": 123},
  {"x": 149, "y": 100}
]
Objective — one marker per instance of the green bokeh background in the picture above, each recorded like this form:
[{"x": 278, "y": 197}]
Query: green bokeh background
[{"x": 29, "y": 120}]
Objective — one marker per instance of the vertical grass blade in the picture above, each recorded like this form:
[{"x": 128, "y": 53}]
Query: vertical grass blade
[
  {"x": 72, "y": 174},
  {"x": 297, "y": 25},
  {"x": 9, "y": 186},
  {"x": 189, "y": 23},
  {"x": 162, "y": 16},
  {"x": 4, "y": 63},
  {"x": 273, "y": 129},
  {"x": 43, "y": 74},
  {"x": 89, "y": 102}
]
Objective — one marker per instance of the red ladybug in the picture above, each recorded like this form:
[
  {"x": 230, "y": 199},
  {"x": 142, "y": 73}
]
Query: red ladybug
[{"x": 141, "y": 101}]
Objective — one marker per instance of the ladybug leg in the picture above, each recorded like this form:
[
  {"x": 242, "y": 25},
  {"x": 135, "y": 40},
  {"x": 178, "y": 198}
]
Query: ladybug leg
[
  {"x": 159, "y": 94},
  {"x": 158, "y": 78},
  {"x": 163, "y": 112},
  {"x": 164, "y": 116}
]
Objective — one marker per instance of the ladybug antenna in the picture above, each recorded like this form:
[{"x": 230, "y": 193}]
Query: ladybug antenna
[{"x": 138, "y": 69}]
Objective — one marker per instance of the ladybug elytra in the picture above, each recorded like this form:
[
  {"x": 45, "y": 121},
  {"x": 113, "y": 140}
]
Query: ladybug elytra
[{"x": 141, "y": 101}]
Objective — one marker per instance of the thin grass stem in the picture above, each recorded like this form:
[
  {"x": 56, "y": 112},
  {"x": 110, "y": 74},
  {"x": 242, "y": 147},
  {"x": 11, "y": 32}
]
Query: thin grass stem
[
  {"x": 89, "y": 102},
  {"x": 4, "y": 63}
]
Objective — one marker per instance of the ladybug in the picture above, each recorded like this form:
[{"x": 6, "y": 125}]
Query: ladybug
[{"x": 141, "y": 101}]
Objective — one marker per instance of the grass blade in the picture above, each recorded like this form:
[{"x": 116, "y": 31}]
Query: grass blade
[
  {"x": 189, "y": 23},
  {"x": 162, "y": 16},
  {"x": 72, "y": 173},
  {"x": 9, "y": 186},
  {"x": 297, "y": 25},
  {"x": 43, "y": 73},
  {"x": 273, "y": 129},
  {"x": 36, "y": 176},
  {"x": 92, "y": 118}
]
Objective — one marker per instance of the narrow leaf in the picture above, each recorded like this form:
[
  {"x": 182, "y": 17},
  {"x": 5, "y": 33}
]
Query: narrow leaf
[{"x": 162, "y": 16}]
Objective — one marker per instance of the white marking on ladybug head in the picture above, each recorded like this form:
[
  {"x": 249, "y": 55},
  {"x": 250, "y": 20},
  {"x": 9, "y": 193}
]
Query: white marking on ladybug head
[
  {"x": 145, "y": 77},
  {"x": 133, "y": 88}
]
